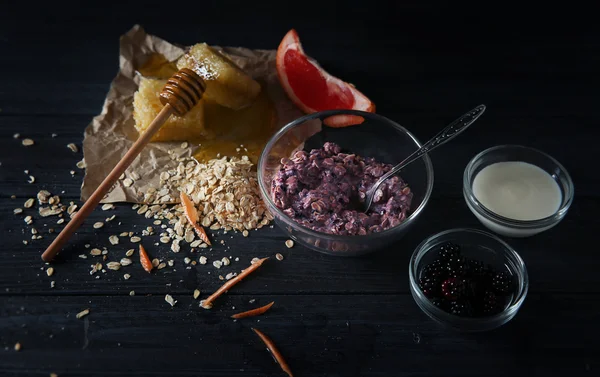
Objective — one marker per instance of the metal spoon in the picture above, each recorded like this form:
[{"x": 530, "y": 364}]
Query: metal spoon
[{"x": 442, "y": 137}]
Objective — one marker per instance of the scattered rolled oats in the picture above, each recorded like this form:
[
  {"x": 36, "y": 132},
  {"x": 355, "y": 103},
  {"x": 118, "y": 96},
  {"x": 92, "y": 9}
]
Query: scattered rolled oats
[
  {"x": 161, "y": 265},
  {"x": 98, "y": 225},
  {"x": 132, "y": 293},
  {"x": 72, "y": 208},
  {"x": 189, "y": 236},
  {"x": 50, "y": 271},
  {"x": 196, "y": 243},
  {"x": 202, "y": 260},
  {"x": 254, "y": 260},
  {"x": 184, "y": 145},
  {"x": 155, "y": 262},
  {"x": 289, "y": 244},
  {"x": 113, "y": 266},
  {"x": 230, "y": 275},
  {"x": 217, "y": 263},
  {"x": 31, "y": 179},
  {"x": 72, "y": 147},
  {"x": 82, "y": 313},
  {"x": 127, "y": 182},
  {"x": 169, "y": 299},
  {"x": 245, "y": 233},
  {"x": 81, "y": 164},
  {"x": 111, "y": 218},
  {"x": 28, "y": 220},
  {"x": 142, "y": 209},
  {"x": 126, "y": 276},
  {"x": 107, "y": 206},
  {"x": 224, "y": 190},
  {"x": 125, "y": 261},
  {"x": 196, "y": 293},
  {"x": 48, "y": 211},
  {"x": 129, "y": 252},
  {"x": 165, "y": 239},
  {"x": 17, "y": 211},
  {"x": 278, "y": 256},
  {"x": 114, "y": 240},
  {"x": 225, "y": 261},
  {"x": 175, "y": 246},
  {"x": 95, "y": 252},
  {"x": 186, "y": 260},
  {"x": 170, "y": 262},
  {"x": 17, "y": 346},
  {"x": 43, "y": 196},
  {"x": 60, "y": 221},
  {"x": 27, "y": 142},
  {"x": 29, "y": 203},
  {"x": 16, "y": 136},
  {"x": 135, "y": 239}
]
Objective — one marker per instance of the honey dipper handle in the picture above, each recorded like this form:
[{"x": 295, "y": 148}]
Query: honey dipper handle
[{"x": 106, "y": 185}]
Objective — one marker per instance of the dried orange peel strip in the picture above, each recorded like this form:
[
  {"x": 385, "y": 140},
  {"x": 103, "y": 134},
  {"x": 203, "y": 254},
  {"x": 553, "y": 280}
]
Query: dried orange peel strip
[
  {"x": 274, "y": 352},
  {"x": 208, "y": 302},
  {"x": 145, "y": 259},
  {"x": 192, "y": 215},
  {"x": 253, "y": 312}
]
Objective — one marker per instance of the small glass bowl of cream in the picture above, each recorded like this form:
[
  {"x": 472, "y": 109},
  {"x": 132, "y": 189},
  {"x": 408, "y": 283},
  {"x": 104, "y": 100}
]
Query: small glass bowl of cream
[{"x": 517, "y": 191}]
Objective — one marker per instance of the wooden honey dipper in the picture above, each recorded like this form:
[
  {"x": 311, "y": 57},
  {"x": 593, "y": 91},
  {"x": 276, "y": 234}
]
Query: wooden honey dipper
[{"x": 179, "y": 95}]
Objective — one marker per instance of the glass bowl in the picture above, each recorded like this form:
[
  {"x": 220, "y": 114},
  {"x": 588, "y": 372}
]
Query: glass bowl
[
  {"x": 376, "y": 137},
  {"x": 474, "y": 244},
  {"x": 503, "y": 225}
]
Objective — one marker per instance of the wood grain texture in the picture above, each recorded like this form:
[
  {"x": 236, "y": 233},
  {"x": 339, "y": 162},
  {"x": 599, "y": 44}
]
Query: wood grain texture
[
  {"x": 423, "y": 64},
  {"x": 329, "y": 336}
]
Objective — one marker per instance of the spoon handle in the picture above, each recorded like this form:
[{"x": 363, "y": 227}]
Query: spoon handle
[{"x": 444, "y": 136}]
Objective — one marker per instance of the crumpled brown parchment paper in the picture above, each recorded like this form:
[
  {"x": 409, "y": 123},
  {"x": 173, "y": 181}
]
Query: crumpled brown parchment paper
[{"x": 111, "y": 133}]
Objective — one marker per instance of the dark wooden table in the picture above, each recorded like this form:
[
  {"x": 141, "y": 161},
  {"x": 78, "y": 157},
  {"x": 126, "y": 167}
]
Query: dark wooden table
[{"x": 539, "y": 78}]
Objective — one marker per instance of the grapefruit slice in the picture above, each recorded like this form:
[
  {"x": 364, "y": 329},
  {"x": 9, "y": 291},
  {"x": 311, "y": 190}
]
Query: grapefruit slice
[{"x": 312, "y": 89}]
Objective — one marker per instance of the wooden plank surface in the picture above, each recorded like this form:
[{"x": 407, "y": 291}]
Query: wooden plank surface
[
  {"x": 423, "y": 64},
  {"x": 329, "y": 336}
]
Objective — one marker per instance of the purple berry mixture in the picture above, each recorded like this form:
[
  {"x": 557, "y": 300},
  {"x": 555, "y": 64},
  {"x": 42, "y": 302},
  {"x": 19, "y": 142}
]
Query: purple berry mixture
[
  {"x": 321, "y": 190},
  {"x": 464, "y": 287}
]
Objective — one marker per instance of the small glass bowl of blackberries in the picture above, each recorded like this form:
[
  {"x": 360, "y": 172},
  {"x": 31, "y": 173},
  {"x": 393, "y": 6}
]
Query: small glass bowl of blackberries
[{"x": 468, "y": 279}]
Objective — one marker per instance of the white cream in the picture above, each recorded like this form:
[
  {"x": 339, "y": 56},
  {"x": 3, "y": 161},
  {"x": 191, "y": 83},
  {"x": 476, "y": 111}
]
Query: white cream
[{"x": 516, "y": 190}]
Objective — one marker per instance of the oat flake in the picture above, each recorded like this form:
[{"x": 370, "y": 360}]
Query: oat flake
[
  {"x": 169, "y": 299},
  {"x": 82, "y": 313},
  {"x": 72, "y": 147}
]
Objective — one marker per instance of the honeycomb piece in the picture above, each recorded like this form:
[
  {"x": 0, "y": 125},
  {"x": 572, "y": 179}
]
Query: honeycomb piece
[
  {"x": 146, "y": 105},
  {"x": 226, "y": 83}
]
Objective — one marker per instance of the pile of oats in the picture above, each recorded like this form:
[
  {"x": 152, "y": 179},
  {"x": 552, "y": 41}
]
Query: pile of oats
[{"x": 224, "y": 190}]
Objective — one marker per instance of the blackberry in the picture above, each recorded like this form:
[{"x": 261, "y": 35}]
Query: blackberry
[
  {"x": 457, "y": 266},
  {"x": 461, "y": 308},
  {"x": 429, "y": 286},
  {"x": 492, "y": 303},
  {"x": 454, "y": 288},
  {"x": 449, "y": 251},
  {"x": 475, "y": 267},
  {"x": 440, "y": 303},
  {"x": 501, "y": 283},
  {"x": 435, "y": 270}
]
